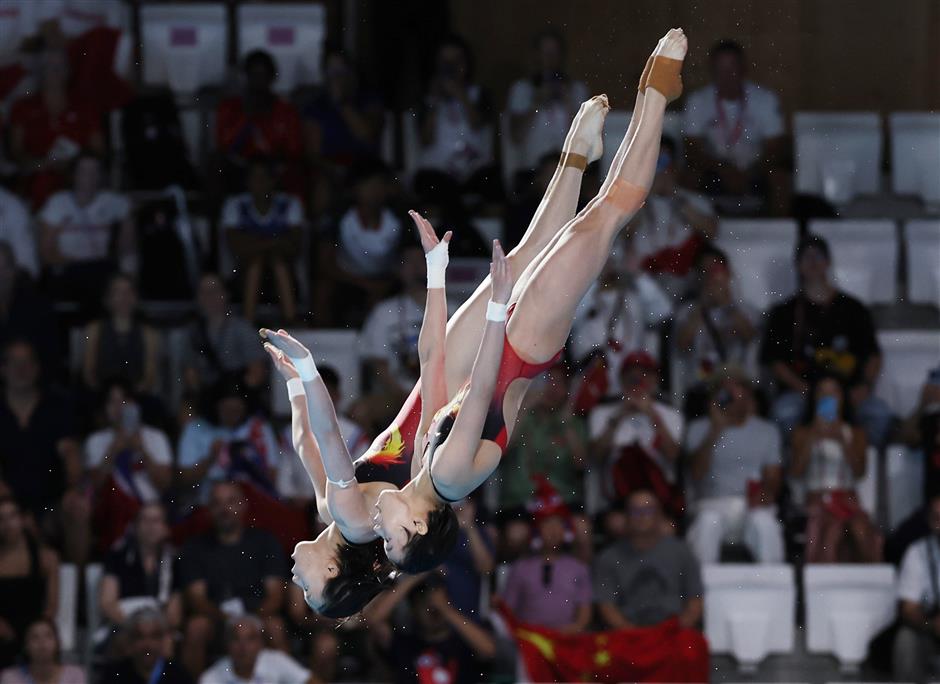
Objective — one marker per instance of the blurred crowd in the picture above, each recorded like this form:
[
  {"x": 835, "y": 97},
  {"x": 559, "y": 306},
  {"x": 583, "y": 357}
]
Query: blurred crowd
[{"x": 682, "y": 429}]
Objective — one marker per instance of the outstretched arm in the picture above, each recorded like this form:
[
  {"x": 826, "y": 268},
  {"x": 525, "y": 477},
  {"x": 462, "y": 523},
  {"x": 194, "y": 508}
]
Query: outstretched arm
[
  {"x": 304, "y": 443},
  {"x": 431, "y": 339},
  {"x": 456, "y": 469}
]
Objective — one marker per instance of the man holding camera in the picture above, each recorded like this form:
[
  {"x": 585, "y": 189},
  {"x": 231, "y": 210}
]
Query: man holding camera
[
  {"x": 736, "y": 471},
  {"x": 917, "y": 645}
]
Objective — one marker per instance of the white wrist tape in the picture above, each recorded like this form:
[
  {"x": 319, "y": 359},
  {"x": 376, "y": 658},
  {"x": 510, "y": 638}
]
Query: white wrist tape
[
  {"x": 343, "y": 484},
  {"x": 295, "y": 388},
  {"x": 437, "y": 260},
  {"x": 496, "y": 312},
  {"x": 306, "y": 367}
]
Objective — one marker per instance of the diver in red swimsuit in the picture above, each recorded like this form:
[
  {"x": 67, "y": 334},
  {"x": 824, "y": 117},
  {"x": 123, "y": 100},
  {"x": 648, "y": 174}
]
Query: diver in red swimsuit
[{"x": 465, "y": 441}]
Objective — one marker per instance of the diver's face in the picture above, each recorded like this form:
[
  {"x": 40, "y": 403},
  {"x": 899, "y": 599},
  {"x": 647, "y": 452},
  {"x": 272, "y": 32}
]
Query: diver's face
[
  {"x": 396, "y": 522},
  {"x": 314, "y": 565}
]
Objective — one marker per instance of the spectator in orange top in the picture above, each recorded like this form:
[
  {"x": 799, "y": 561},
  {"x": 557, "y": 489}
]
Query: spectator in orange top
[
  {"x": 49, "y": 128},
  {"x": 256, "y": 123}
]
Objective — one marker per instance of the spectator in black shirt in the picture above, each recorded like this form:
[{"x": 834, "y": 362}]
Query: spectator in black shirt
[
  {"x": 40, "y": 459},
  {"x": 24, "y": 314},
  {"x": 149, "y": 648},
  {"x": 821, "y": 329},
  {"x": 230, "y": 571},
  {"x": 141, "y": 571},
  {"x": 439, "y": 644}
]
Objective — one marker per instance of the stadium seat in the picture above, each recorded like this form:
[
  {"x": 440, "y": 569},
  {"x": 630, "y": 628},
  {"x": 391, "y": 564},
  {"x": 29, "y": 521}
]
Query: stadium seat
[
  {"x": 336, "y": 348},
  {"x": 922, "y": 245},
  {"x": 67, "y": 612},
  {"x": 184, "y": 46},
  {"x": 749, "y": 610},
  {"x": 915, "y": 154},
  {"x": 838, "y": 154},
  {"x": 907, "y": 357},
  {"x": 293, "y": 34},
  {"x": 846, "y": 606},
  {"x": 93, "y": 574},
  {"x": 864, "y": 257},
  {"x": 761, "y": 254},
  {"x": 867, "y": 486},
  {"x": 904, "y": 472}
]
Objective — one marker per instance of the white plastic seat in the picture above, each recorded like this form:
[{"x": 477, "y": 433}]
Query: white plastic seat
[
  {"x": 761, "y": 255},
  {"x": 904, "y": 472},
  {"x": 338, "y": 349},
  {"x": 864, "y": 257},
  {"x": 922, "y": 244},
  {"x": 907, "y": 357},
  {"x": 867, "y": 486},
  {"x": 293, "y": 34},
  {"x": 184, "y": 46},
  {"x": 67, "y": 610},
  {"x": 915, "y": 154},
  {"x": 93, "y": 574},
  {"x": 749, "y": 610},
  {"x": 838, "y": 154},
  {"x": 846, "y": 606}
]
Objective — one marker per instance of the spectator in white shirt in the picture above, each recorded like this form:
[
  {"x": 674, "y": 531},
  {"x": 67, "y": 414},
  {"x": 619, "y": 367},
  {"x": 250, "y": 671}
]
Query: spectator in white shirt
[
  {"x": 734, "y": 132},
  {"x": 669, "y": 231},
  {"x": 635, "y": 440},
  {"x": 736, "y": 470},
  {"x": 263, "y": 230},
  {"x": 917, "y": 643},
  {"x": 249, "y": 662},
  {"x": 541, "y": 107},
  {"x": 76, "y": 231},
  {"x": 16, "y": 230}
]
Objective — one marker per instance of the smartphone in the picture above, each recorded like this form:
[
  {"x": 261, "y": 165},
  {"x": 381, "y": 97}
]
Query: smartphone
[
  {"x": 130, "y": 418},
  {"x": 827, "y": 408}
]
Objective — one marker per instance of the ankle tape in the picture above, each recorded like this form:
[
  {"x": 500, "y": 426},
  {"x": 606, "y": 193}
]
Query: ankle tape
[
  {"x": 665, "y": 76},
  {"x": 574, "y": 160},
  {"x": 626, "y": 195}
]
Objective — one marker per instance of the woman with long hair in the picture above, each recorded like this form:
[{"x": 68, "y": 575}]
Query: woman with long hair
[{"x": 42, "y": 659}]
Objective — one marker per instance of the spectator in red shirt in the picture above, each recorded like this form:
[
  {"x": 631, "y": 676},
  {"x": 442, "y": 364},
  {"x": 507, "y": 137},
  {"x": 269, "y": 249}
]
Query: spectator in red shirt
[
  {"x": 257, "y": 122},
  {"x": 49, "y": 128}
]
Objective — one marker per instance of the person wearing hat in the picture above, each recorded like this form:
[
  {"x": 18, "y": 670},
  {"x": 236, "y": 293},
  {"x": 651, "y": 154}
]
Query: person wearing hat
[
  {"x": 635, "y": 437},
  {"x": 736, "y": 470},
  {"x": 824, "y": 330}
]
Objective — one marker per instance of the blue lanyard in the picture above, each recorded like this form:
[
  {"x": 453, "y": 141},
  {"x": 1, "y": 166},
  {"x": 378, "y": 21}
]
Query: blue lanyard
[{"x": 157, "y": 672}]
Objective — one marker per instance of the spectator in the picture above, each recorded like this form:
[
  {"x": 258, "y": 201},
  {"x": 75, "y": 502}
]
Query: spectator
[
  {"x": 42, "y": 659},
  {"x": 823, "y": 329},
  {"x": 219, "y": 342},
  {"x": 830, "y": 456},
  {"x": 130, "y": 464},
  {"x": 389, "y": 336},
  {"x": 48, "y": 128},
  {"x": 263, "y": 229},
  {"x": 359, "y": 255},
  {"x": 230, "y": 571},
  {"x": 343, "y": 124},
  {"x": 551, "y": 588},
  {"x": 734, "y": 133},
  {"x": 541, "y": 107},
  {"x": 736, "y": 470},
  {"x": 455, "y": 134},
  {"x": 75, "y": 235},
  {"x": 713, "y": 329},
  {"x": 636, "y": 440},
  {"x": 149, "y": 653},
  {"x": 438, "y": 643},
  {"x": 120, "y": 346},
  {"x": 24, "y": 313},
  {"x": 141, "y": 571},
  {"x": 917, "y": 644},
  {"x": 549, "y": 443},
  {"x": 525, "y": 201},
  {"x": 612, "y": 320},
  {"x": 647, "y": 578},
  {"x": 258, "y": 122},
  {"x": 471, "y": 563},
  {"x": 16, "y": 230},
  {"x": 29, "y": 580},
  {"x": 248, "y": 661},
  {"x": 233, "y": 442},
  {"x": 40, "y": 459},
  {"x": 673, "y": 226}
]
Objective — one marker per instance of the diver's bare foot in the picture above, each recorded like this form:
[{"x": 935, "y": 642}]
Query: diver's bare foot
[
  {"x": 586, "y": 133},
  {"x": 673, "y": 45}
]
